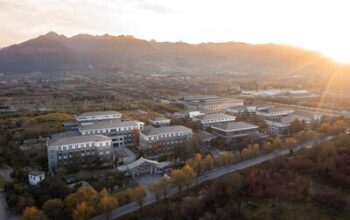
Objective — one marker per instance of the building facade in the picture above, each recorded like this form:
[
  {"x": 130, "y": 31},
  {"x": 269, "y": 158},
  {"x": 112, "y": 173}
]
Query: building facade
[
  {"x": 80, "y": 150},
  {"x": 122, "y": 133},
  {"x": 35, "y": 177},
  {"x": 210, "y": 103},
  {"x": 273, "y": 113},
  {"x": 281, "y": 125},
  {"x": 96, "y": 116},
  {"x": 214, "y": 119},
  {"x": 160, "y": 121},
  {"x": 143, "y": 166},
  {"x": 163, "y": 140},
  {"x": 235, "y": 130}
]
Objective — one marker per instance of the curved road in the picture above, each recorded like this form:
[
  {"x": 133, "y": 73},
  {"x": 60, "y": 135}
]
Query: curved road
[{"x": 210, "y": 175}]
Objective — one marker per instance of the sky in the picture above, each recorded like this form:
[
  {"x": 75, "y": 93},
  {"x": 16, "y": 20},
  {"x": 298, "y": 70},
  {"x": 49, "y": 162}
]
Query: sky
[{"x": 321, "y": 25}]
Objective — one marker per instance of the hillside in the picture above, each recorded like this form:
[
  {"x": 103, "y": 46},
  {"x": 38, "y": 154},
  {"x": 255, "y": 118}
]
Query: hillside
[{"x": 53, "y": 52}]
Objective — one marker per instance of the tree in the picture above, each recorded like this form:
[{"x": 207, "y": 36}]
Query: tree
[
  {"x": 84, "y": 194},
  {"x": 138, "y": 194},
  {"x": 189, "y": 174},
  {"x": 267, "y": 147},
  {"x": 106, "y": 203},
  {"x": 208, "y": 162},
  {"x": 178, "y": 178},
  {"x": 83, "y": 211},
  {"x": 291, "y": 142},
  {"x": 32, "y": 213},
  {"x": 156, "y": 189},
  {"x": 53, "y": 209}
]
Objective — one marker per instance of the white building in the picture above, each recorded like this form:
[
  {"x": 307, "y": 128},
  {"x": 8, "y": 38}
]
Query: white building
[
  {"x": 159, "y": 121},
  {"x": 281, "y": 125},
  {"x": 166, "y": 137},
  {"x": 121, "y": 132},
  {"x": 79, "y": 149},
  {"x": 143, "y": 166},
  {"x": 210, "y": 103},
  {"x": 273, "y": 112},
  {"x": 35, "y": 177},
  {"x": 214, "y": 119},
  {"x": 95, "y": 116}
]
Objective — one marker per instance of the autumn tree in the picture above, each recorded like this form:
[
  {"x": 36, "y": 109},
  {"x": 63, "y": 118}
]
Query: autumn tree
[
  {"x": 84, "y": 194},
  {"x": 208, "y": 162},
  {"x": 32, "y": 213},
  {"x": 106, "y": 203},
  {"x": 189, "y": 174},
  {"x": 138, "y": 194},
  {"x": 53, "y": 209},
  {"x": 177, "y": 178},
  {"x": 83, "y": 211}
]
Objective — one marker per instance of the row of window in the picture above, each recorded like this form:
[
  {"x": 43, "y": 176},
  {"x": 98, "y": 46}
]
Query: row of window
[
  {"x": 87, "y": 145},
  {"x": 167, "y": 135},
  {"x": 103, "y": 131}
]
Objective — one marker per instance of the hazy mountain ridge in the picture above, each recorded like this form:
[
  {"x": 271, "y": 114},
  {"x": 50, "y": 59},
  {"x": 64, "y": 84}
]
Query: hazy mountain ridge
[{"x": 53, "y": 52}]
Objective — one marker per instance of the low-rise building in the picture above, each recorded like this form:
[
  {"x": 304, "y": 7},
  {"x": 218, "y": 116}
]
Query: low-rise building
[
  {"x": 81, "y": 150},
  {"x": 214, "y": 119},
  {"x": 203, "y": 138},
  {"x": 143, "y": 166},
  {"x": 159, "y": 121},
  {"x": 162, "y": 140},
  {"x": 96, "y": 116},
  {"x": 281, "y": 125},
  {"x": 123, "y": 133},
  {"x": 273, "y": 112},
  {"x": 234, "y": 130},
  {"x": 239, "y": 110},
  {"x": 210, "y": 103},
  {"x": 35, "y": 177}
]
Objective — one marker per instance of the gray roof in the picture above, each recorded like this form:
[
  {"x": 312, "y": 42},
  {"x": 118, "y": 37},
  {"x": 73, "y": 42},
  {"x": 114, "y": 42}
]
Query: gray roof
[
  {"x": 78, "y": 139},
  {"x": 103, "y": 124},
  {"x": 36, "y": 172},
  {"x": 231, "y": 126},
  {"x": 204, "y": 135},
  {"x": 136, "y": 163},
  {"x": 89, "y": 114},
  {"x": 215, "y": 116},
  {"x": 159, "y": 119},
  {"x": 290, "y": 118},
  {"x": 276, "y": 109},
  {"x": 166, "y": 129}
]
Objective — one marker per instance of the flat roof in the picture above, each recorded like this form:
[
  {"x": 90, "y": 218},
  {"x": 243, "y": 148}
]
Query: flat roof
[
  {"x": 215, "y": 116},
  {"x": 165, "y": 129},
  {"x": 159, "y": 119},
  {"x": 103, "y": 124},
  {"x": 78, "y": 139},
  {"x": 100, "y": 113},
  {"x": 36, "y": 173},
  {"x": 233, "y": 126}
]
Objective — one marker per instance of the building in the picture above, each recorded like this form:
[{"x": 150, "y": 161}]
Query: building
[
  {"x": 281, "y": 125},
  {"x": 235, "y": 130},
  {"x": 80, "y": 150},
  {"x": 96, "y": 116},
  {"x": 203, "y": 139},
  {"x": 240, "y": 110},
  {"x": 143, "y": 166},
  {"x": 35, "y": 177},
  {"x": 159, "y": 121},
  {"x": 123, "y": 133},
  {"x": 273, "y": 112},
  {"x": 164, "y": 137},
  {"x": 210, "y": 103},
  {"x": 214, "y": 119}
]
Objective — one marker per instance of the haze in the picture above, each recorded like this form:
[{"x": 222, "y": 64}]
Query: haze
[{"x": 320, "y": 25}]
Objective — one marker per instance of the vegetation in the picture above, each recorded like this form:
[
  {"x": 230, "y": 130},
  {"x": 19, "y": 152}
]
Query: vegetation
[{"x": 312, "y": 184}]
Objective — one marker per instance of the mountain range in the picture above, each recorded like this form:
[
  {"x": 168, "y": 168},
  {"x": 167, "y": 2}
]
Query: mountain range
[{"x": 53, "y": 52}]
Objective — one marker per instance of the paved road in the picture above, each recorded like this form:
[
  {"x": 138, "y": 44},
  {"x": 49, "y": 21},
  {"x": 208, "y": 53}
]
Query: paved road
[{"x": 210, "y": 175}]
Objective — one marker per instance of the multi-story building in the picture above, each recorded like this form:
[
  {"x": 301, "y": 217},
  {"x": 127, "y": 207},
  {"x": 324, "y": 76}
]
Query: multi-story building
[
  {"x": 123, "y": 133},
  {"x": 210, "y": 103},
  {"x": 214, "y": 119},
  {"x": 234, "y": 130},
  {"x": 244, "y": 109},
  {"x": 96, "y": 116},
  {"x": 165, "y": 137},
  {"x": 159, "y": 121},
  {"x": 273, "y": 113},
  {"x": 281, "y": 125},
  {"x": 83, "y": 150}
]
